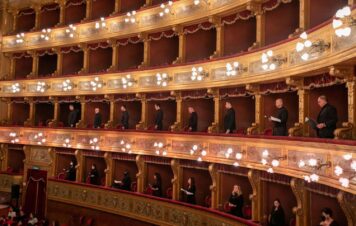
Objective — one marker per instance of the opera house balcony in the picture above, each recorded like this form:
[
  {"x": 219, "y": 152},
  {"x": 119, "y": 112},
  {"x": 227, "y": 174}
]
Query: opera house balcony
[{"x": 184, "y": 112}]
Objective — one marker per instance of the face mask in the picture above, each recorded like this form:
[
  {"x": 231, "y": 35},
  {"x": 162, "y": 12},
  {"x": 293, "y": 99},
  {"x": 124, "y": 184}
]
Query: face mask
[
  {"x": 92, "y": 167},
  {"x": 71, "y": 164}
]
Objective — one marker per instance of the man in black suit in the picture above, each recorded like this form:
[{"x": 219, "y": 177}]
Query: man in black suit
[
  {"x": 159, "y": 117},
  {"x": 124, "y": 117},
  {"x": 327, "y": 119},
  {"x": 193, "y": 120},
  {"x": 280, "y": 121},
  {"x": 97, "y": 119},
  {"x": 73, "y": 116},
  {"x": 229, "y": 118},
  {"x": 71, "y": 172}
]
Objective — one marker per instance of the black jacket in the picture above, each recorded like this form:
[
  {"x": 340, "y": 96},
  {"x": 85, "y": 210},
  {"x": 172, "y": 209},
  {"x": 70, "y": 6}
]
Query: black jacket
[
  {"x": 73, "y": 118},
  {"x": 277, "y": 217},
  {"x": 191, "y": 198},
  {"x": 157, "y": 189},
  {"x": 125, "y": 119},
  {"x": 94, "y": 177},
  {"x": 193, "y": 121},
  {"x": 327, "y": 115},
  {"x": 159, "y": 119},
  {"x": 280, "y": 128},
  {"x": 71, "y": 173},
  {"x": 238, "y": 201},
  {"x": 97, "y": 120},
  {"x": 229, "y": 120}
]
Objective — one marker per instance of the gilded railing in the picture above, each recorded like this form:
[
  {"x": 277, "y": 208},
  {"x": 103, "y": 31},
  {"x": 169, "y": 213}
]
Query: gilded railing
[{"x": 255, "y": 152}]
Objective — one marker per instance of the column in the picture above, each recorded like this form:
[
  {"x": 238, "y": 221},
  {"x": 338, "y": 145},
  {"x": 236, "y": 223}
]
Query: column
[
  {"x": 148, "y": 3},
  {"x": 35, "y": 60},
  {"x": 112, "y": 122},
  {"x": 144, "y": 112},
  {"x": 115, "y": 56},
  {"x": 109, "y": 169},
  {"x": 219, "y": 49},
  {"x": 347, "y": 202},
  {"x": 89, "y": 8},
  {"x": 256, "y": 196},
  {"x": 304, "y": 15},
  {"x": 37, "y": 9},
  {"x": 6, "y": 26},
  {"x": 86, "y": 53},
  {"x": 31, "y": 118},
  {"x": 14, "y": 20},
  {"x": 80, "y": 164},
  {"x": 146, "y": 50},
  {"x": 215, "y": 126},
  {"x": 302, "y": 195},
  {"x": 177, "y": 179},
  {"x": 59, "y": 70},
  {"x": 8, "y": 64},
  {"x": 62, "y": 12},
  {"x": 215, "y": 187},
  {"x": 351, "y": 2},
  {"x": 177, "y": 126},
  {"x": 56, "y": 111},
  {"x": 256, "y": 7},
  {"x": 351, "y": 95},
  {"x": 182, "y": 43},
  {"x": 10, "y": 111},
  {"x": 258, "y": 126},
  {"x": 140, "y": 176},
  {"x": 3, "y": 157},
  {"x": 117, "y": 7},
  {"x": 303, "y": 96}
]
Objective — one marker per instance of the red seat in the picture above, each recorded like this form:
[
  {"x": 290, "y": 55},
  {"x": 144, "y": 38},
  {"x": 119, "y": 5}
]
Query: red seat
[
  {"x": 169, "y": 193},
  {"x": 9, "y": 170},
  {"x": 134, "y": 186},
  {"x": 119, "y": 127},
  {"x": 149, "y": 191},
  {"x": 292, "y": 222},
  {"x": 61, "y": 176},
  {"x": 60, "y": 124},
  {"x": 208, "y": 201},
  {"x": 241, "y": 131},
  {"x": 268, "y": 132},
  {"x": 247, "y": 212},
  {"x": 89, "y": 222},
  {"x": 151, "y": 127},
  {"x": 87, "y": 180},
  {"x": 227, "y": 207}
]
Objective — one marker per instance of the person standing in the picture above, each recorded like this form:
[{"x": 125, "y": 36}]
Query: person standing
[
  {"x": 280, "y": 120},
  {"x": 124, "y": 117},
  {"x": 326, "y": 218},
  {"x": 193, "y": 120},
  {"x": 73, "y": 116},
  {"x": 157, "y": 185},
  {"x": 190, "y": 191},
  {"x": 327, "y": 119},
  {"x": 236, "y": 201},
  {"x": 277, "y": 218},
  {"x": 229, "y": 119},
  {"x": 71, "y": 172},
  {"x": 97, "y": 118},
  {"x": 94, "y": 175},
  {"x": 159, "y": 117}
]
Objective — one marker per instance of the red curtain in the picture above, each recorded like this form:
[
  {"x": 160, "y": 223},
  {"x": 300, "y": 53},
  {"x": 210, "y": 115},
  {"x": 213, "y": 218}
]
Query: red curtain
[{"x": 35, "y": 200}]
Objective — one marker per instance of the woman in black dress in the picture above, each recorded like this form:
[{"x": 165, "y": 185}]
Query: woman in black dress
[
  {"x": 94, "y": 175},
  {"x": 276, "y": 218},
  {"x": 236, "y": 201},
  {"x": 157, "y": 185},
  {"x": 125, "y": 183},
  {"x": 326, "y": 218},
  {"x": 190, "y": 192}
]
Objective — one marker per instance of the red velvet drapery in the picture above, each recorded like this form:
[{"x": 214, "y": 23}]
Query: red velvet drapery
[{"x": 35, "y": 200}]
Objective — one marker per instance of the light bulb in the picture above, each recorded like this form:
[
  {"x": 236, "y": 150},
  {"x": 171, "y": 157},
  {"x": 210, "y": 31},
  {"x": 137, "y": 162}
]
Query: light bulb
[{"x": 338, "y": 171}]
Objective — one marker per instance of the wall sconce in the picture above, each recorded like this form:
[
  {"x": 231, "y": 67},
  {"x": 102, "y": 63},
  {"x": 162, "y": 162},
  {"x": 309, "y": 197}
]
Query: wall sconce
[
  {"x": 14, "y": 138},
  {"x": 66, "y": 143},
  {"x": 343, "y": 22},
  {"x": 20, "y": 38},
  {"x": 15, "y": 88},
  {"x": 67, "y": 85},
  {"x": 126, "y": 146},
  {"x": 40, "y": 138},
  {"x": 160, "y": 148},
  {"x": 46, "y": 34},
  {"x": 234, "y": 68},
  {"x": 314, "y": 165},
  {"x": 127, "y": 81},
  {"x": 101, "y": 23},
  {"x": 306, "y": 48},
  {"x": 94, "y": 143},
  {"x": 41, "y": 87},
  {"x": 198, "y": 151},
  {"x": 70, "y": 31},
  {"x": 270, "y": 62},
  {"x": 166, "y": 8},
  {"x": 198, "y": 74},
  {"x": 230, "y": 153},
  {"x": 131, "y": 17},
  {"x": 96, "y": 84},
  {"x": 162, "y": 79},
  {"x": 351, "y": 172},
  {"x": 275, "y": 161}
]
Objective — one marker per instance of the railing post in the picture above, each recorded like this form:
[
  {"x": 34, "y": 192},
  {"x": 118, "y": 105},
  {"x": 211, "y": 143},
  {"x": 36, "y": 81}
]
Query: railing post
[
  {"x": 256, "y": 197},
  {"x": 109, "y": 169},
  {"x": 80, "y": 165},
  {"x": 141, "y": 175},
  {"x": 215, "y": 187},
  {"x": 177, "y": 179},
  {"x": 215, "y": 126},
  {"x": 182, "y": 43},
  {"x": 144, "y": 112},
  {"x": 302, "y": 195}
]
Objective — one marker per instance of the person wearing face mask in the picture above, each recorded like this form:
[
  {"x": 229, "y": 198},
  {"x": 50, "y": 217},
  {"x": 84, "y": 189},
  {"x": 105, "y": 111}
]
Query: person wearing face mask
[
  {"x": 71, "y": 172},
  {"x": 276, "y": 218},
  {"x": 94, "y": 175},
  {"x": 125, "y": 183},
  {"x": 326, "y": 218},
  {"x": 236, "y": 201},
  {"x": 157, "y": 185}
]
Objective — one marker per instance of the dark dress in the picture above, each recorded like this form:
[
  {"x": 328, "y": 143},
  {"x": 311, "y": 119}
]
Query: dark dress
[
  {"x": 327, "y": 115},
  {"x": 229, "y": 120},
  {"x": 193, "y": 121},
  {"x": 280, "y": 128},
  {"x": 277, "y": 217},
  {"x": 72, "y": 118},
  {"x": 94, "y": 177},
  {"x": 334, "y": 223},
  {"x": 191, "y": 197},
  {"x": 125, "y": 119},
  {"x": 238, "y": 201},
  {"x": 97, "y": 120},
  {"x": 159, "y": 119},
  {"x": 71, "y": 174},
  {"x": 126, "y": 183},
  {"x": 157, "y": 189}
]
